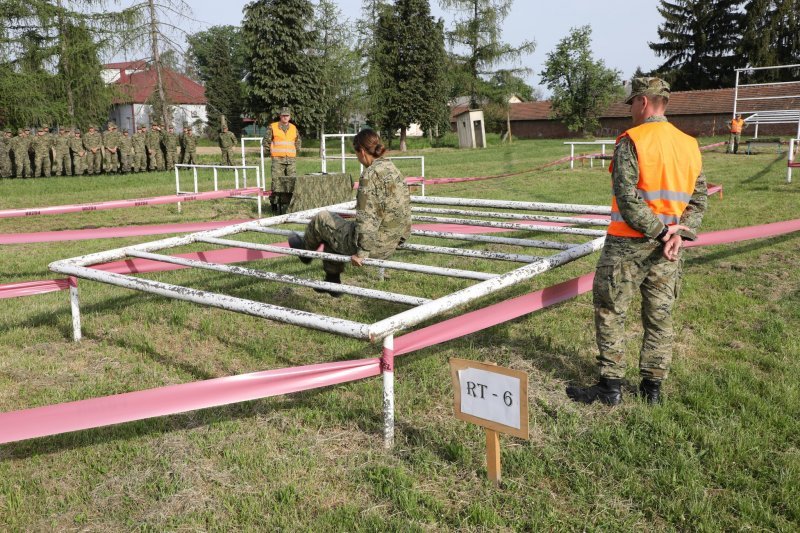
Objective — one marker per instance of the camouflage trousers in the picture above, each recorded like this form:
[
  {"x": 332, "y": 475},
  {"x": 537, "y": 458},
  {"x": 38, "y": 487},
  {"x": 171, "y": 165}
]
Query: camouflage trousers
[
  {"x": 284, "y": 176},
  {"x": 111, "y": 161},
  {"x": 94, "y": 161},
  {"x": 733, "y": 143},
  {"x": 62, "y": 165},
  {"x": 155, "y": 160},
  {"x": 339, "y": 236},
  {"x": 139, "y": 163},
  {"x": 169, "y": 159},
  {"x": 22, "y": 164},
  {"x": 41, "y": 165},
  {"x": 189, "y": 158},
  {"x": 625, "y": 265},
  {"x": 227, "y": 156},
  {"x": 125, "y": 162},
  {"x": 6, "y": 169},
  {"x": 78, "y": 164}
]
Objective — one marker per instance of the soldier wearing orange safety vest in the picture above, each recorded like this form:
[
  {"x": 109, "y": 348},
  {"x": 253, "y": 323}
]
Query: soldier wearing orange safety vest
[
  {"x": 284, "y": 145},
  {"x": 659, "y": 197},
  {"x": 736, "y": 134}
]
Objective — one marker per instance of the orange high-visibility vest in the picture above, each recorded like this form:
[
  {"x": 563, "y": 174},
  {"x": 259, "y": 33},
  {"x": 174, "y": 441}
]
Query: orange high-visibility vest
[
  {"x": 283, "y": 141},
  {"x": 669, "y": 164},
  {"x": 736, "y": 125}
]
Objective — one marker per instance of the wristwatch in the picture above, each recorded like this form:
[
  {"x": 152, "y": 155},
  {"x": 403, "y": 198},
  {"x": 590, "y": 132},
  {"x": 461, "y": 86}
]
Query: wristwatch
[{"x": 662, "y": 234}]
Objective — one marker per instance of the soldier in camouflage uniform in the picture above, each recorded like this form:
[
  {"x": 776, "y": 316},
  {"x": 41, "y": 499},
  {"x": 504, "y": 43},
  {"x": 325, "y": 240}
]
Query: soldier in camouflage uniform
[
  {"x": 188, "y": 146},
  {"x": 111, "y": 156},
  {"x": 170, "y": 148},
  {"x": 227, "y": 143},
  {"x": 42, "y": 146},
  {"x": 79, "y": 154},
  {"x": 93, "y": 144},
  {"x": 125, "y": 152},
  {"x": 6, "y": 168},
  {"x": 155, "y": 157},
  {"x": 660, "y": 197},
  {"x": 284, "y": 145},
  {"x": 62, "y": 162},
  {"x": 139, "y": 163},
  {"x": 21, "y": 150},
  {"x": 383, "y": 215}
]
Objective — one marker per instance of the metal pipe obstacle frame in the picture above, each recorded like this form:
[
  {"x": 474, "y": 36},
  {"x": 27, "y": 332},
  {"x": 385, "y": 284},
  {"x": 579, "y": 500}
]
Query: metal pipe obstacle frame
[
  {"x": 572, "y": 144},
  {"x": 216, "y": 169},
  {"x": 384, "y": 330},
  {"x": 776, "y": 116},
  {"x": 794, "y": 147},
  {"x": 260, "y": 141}
]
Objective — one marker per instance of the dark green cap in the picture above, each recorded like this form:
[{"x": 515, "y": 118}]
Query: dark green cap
[
  {"x": 648, "y": 87},
  {"x": 285, "y": 111}
]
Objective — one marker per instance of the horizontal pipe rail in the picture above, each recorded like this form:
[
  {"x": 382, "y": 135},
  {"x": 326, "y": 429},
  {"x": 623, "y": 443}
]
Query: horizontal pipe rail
[
  {"x": 380, "y": 263},
  {"x": 305, "y": 319},
  {"x": 509, "y": 204},
  {"x": 514, "y": 216},
  {"x": 511, "y": 226},
  {"x": 478, "y": 254},
  {"x": 283, "y": 278}
]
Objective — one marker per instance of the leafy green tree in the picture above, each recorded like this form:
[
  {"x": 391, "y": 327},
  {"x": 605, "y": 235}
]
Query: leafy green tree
[
  {"x": 217, "y": 58},
  {"x": 581, "y": 86},
  {"x": 408, "y": 83},
  {"x": 478, "y": 49},
  {"x": 770, "y": 38},
  {"x": 699, "y": 39},
  {"x": 504, "y": 85},
  {"x": 282, "y": 70}
]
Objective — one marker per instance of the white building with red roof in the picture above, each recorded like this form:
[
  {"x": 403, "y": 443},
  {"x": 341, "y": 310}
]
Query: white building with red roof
[{"x": 136, "y": 81}]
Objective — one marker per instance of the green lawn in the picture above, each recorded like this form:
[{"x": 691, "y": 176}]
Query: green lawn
[{"x": 720, "y": 454}]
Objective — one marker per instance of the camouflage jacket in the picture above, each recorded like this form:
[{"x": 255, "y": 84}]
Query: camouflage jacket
[
  {"x": 383, "y": 208},
  {"x": 138, "y": 141},
  {"x": 633, "y": 209},
  {"x": 152, "y": 141},
  {"x": 42, "y": 144},
  {"x": 126, "y": 144},
  {"x": 62, "y": 142},
  {"x": 76, "y": 145},
  {"x": 92, "y": 141},
  {"x": 188, "y": 143},
  {"x": 111, "y": 140},
  {"x": 227, "y": 140},
  {"x": 170, "y": 141}
]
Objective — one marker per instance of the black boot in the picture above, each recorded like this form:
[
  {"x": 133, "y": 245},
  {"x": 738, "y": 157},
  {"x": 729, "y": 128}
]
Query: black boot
[
  {"x": 606, "y": 391},
  {"x": 296, "y": 242},
  {"x": 331, "y": 277},
  {"x": 650, "y": 391}
]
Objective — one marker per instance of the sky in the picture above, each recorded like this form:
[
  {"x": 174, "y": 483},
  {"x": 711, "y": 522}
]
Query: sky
[{"x": 621, "y": 29}]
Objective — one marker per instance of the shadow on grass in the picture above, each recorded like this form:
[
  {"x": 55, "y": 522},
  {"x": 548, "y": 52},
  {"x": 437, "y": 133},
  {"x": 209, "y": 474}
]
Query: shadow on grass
[
  {"x": 728, "y": 252},
  {"x": 763, "y": 172}
]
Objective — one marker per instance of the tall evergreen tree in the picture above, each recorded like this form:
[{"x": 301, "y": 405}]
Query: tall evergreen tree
[
  {"x": 282, "y": 71},
  {"x": 408, "y": 81},
  {"x": 582, "y": 86},
  {"x": 217, "y": 57},
  {"x": 478, "y": 50},
  {"x": 699, "y": 39},
  {"x": 772, "y": 38}
]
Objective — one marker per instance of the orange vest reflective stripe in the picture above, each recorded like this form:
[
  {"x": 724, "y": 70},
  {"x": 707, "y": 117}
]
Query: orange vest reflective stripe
[
  {"x": 283, "y": 141},
  {"x": 736, "y": 125},
  {"x": 669, "y": 164}
]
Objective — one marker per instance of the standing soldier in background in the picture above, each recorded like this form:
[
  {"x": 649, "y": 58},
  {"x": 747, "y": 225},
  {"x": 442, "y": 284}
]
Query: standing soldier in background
[
  {"x": 21, "y": 149},
  {"x": 284, "y": 145},
  {"x": 188, "y": 146},
  {"x": 737, "y": 123},
  {"x": 139, "y": 155},
  {"x": 42, "y": 146},
  {"x": 78, "y": 152},
  {"x": 62, "y": 161},
  {"x": 125, "y": 152},
  {"x": 6, "y": 169},
  {"x": 111, "y": 149},
  {"x": 170, "y": 148},
  {"x": 153, "y": 144},
  {"x": 227, "y": 140},
  {"x": 93, "y": 144}
]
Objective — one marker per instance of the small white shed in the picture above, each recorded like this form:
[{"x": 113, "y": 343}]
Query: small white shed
[{"x": 471, "y": 129}]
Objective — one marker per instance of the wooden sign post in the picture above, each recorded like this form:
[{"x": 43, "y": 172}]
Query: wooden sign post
[{"x": 493, "y": 397}]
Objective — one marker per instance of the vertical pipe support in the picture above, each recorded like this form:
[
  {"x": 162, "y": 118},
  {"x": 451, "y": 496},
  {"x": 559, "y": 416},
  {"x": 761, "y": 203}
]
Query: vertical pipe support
[
  {"x": 216, "y": 187},
  {"x": 387, "y": 368},
  {"x": 422, "y": 158},
  {"x": 75, "y": 306},
  {"x": 236, "y": 177},
  {"x": 324, "y": 155},
  {"x": 571, "y": 156},
  {"x": 194, "y": 169},
  {"x": 258, "y": 192},
  {"x": 178, "y": 185},
  {"x": 343, "y": 161}
]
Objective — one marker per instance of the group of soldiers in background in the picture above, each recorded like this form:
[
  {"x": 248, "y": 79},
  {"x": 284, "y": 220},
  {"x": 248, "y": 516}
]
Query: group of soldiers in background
[{"x": 71, "y": 153}]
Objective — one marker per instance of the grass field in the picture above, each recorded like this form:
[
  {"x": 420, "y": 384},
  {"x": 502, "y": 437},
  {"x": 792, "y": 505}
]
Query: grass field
[{"x": 721, "y": 453}]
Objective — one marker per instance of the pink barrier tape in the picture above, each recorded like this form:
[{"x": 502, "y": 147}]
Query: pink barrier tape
[
  {"x": 713, "y": 189},
  {"x": 117, "y": 204},
  {"x": 174, "y": 399},
  {"x": 29, "y": 288},
  {"x": 127, "y": 407},
  {"x": 112, "y": 233},
  {"x": 714, "y": 145}
]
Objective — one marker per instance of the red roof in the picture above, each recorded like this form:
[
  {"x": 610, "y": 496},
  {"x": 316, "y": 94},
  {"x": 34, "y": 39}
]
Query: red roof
[
  {"x": 179, "y": 89},
  {"x": 708, "y": 102},
  {"x": 139, "y": 64}
]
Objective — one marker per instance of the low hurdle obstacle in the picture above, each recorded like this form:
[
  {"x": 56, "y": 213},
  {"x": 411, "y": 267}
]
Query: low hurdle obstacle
[
  {"x": 794, "y": 147},
  {"x": 259, "y": 188}
]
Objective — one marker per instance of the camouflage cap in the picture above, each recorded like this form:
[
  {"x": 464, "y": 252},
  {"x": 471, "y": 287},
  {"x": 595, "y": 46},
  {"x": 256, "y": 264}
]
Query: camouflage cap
[
  {"x": 92, "y": 127},
  {"x": 648, "y": 87},
  {"x": 125, "y": 130},
  {"x": 111, "y": 125},
  {"x": 285, "y": 111},
  {"x": 76, "y": 130},
  {"x": 44, "y": 127}
]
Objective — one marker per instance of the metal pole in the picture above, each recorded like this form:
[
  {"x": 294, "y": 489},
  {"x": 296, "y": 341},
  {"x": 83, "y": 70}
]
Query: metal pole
[
  {"x": 178, "y": 186},
  {"x": 736, "y": 94},
  {"x": 423, "y": 188},
  {"x": 791, "y": 158},
  {"x": 343, "y": 161},
  {"x": 258, "y": 194},
  {"x": 75, "y": 305},
  {"x": 263, "y": 170},
  {"x": 571, "y": 156},
  {"x": 236, "y": 177},
  {"x": 244, "y": 161},
  {"x": 423, "y": 169},
  {"x": 387, "y": 367},
  {"x": 195, "y": 180},
  {"x": 324, "y": 156}
]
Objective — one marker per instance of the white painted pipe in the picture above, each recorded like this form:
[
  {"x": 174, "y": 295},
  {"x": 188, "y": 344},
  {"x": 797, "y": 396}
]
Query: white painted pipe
[{"x": 387, "y": 366}]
